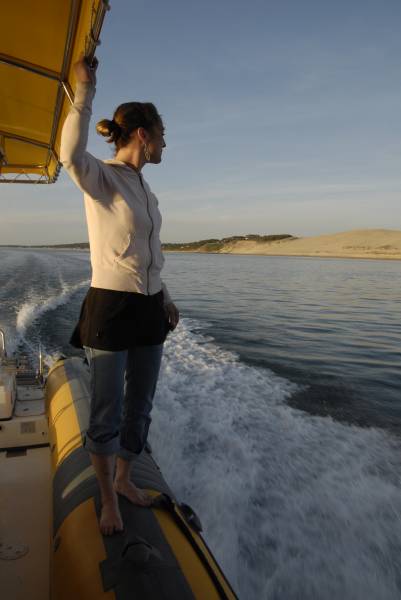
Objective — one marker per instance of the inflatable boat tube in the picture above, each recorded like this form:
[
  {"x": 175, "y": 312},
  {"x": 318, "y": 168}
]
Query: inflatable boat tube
[{"x": 160, "y": 555}]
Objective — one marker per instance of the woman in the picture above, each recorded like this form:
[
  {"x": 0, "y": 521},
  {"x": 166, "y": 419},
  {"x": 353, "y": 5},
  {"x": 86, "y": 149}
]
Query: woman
[{"x": 127, "y": 311}]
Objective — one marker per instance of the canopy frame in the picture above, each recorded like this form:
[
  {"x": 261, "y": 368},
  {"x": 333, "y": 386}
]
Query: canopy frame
[{"x": 22, "y": 174}]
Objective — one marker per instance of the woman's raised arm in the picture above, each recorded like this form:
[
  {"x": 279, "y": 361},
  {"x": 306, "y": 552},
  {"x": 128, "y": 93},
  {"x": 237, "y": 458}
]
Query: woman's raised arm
[{"x": 84, "y": 169}]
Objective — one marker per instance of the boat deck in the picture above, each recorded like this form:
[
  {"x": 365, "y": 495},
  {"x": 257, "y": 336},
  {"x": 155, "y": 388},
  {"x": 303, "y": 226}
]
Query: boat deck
[{"x": 25, "y": 523}]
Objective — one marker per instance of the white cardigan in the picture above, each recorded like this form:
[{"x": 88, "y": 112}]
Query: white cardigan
[{"x": 121, "y": 211}]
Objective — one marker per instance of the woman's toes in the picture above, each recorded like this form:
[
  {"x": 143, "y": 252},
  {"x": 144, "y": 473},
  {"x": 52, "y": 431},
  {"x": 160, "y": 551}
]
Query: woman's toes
[{"x": 110, "y": 518}]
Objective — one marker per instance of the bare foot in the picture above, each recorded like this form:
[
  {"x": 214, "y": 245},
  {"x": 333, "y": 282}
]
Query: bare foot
[
  {"x": 130, "y": 491},
  {"x": 110, "y": 518}
]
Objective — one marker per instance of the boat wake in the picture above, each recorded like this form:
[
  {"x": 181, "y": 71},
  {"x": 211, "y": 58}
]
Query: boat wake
[
  {"x": 34, "y": 309},
  {"x": 294, "y": 506},
  {"x": 34, "y": 284}
]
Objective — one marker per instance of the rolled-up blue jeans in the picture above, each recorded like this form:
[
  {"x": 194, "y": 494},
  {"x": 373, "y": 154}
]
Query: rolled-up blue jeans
[{"x": 122, "y": 387}]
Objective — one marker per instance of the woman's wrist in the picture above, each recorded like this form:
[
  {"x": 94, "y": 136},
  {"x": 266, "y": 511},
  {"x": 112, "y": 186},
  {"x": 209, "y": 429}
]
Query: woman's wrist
[{"x": 84, "y": 74}]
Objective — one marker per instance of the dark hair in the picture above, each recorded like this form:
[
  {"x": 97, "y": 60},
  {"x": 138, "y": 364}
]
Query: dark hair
[{"x": 128, "y": 117}]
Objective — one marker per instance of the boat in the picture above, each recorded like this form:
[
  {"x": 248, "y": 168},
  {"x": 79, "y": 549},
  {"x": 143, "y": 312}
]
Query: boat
[{"x": 51, "y": 546}]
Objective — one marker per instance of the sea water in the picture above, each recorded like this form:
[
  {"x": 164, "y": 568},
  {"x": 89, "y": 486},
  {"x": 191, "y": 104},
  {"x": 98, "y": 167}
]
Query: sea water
[{"x": 278, "y": 410}]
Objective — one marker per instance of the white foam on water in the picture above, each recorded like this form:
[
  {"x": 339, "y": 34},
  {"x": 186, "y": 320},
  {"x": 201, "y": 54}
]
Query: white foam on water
[
  {"x": 35, "y": 308},
  {"x": 30, "y": 284},
  {"x": 294, "y": 506}
]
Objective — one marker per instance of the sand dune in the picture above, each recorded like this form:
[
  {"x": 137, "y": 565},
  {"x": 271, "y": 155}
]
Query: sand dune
[{"x": 359, "y": 243}]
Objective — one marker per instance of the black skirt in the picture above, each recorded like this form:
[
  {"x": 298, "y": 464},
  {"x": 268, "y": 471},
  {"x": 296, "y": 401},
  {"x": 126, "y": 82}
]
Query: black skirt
[{"x": 113, "y": 320}]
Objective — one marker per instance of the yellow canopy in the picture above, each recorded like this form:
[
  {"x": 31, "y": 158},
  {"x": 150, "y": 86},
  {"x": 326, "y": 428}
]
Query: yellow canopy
[{"x": 39, "y": 43}]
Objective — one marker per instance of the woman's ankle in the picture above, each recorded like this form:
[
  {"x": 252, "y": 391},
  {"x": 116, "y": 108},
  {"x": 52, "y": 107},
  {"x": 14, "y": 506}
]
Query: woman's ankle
[
  {"x": 109, "y": 498},
  {"x": 121, "y": 481},
  {"x": 122, "y": 470}
]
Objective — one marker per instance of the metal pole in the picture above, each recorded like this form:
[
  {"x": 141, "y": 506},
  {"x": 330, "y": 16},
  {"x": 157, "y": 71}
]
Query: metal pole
[
  {"x": 3, "y": 352},
  {"x": 40, "y": 363}
]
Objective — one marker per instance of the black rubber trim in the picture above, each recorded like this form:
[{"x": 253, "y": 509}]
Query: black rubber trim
[
  {"x": 190, "y": 516},
  {"x": 172, "y": 507},
  {"x": 160, "y": 577}
]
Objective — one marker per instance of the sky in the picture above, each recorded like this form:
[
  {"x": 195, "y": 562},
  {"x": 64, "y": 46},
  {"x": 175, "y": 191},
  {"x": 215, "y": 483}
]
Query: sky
[{"x": 281, "y": 117}]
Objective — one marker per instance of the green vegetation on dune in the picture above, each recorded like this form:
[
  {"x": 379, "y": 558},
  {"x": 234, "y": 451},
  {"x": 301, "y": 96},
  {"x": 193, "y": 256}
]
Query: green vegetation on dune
[{"x": 214, "y": 245}]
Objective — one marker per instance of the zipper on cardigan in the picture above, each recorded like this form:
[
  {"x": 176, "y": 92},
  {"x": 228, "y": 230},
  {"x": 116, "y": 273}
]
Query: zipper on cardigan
[{"x": 151, "y": 231}]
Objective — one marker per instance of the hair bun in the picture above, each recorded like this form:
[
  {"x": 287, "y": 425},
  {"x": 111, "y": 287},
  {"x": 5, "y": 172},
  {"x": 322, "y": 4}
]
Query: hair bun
[{"x": 108, "y": 128}]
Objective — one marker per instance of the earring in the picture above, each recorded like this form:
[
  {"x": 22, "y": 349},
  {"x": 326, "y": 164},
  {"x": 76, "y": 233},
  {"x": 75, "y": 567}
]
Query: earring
[{"x": 146, "y": 152}]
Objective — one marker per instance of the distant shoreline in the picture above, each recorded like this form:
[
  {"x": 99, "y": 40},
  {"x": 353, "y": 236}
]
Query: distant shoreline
[{"x": 372, "y": 244}]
